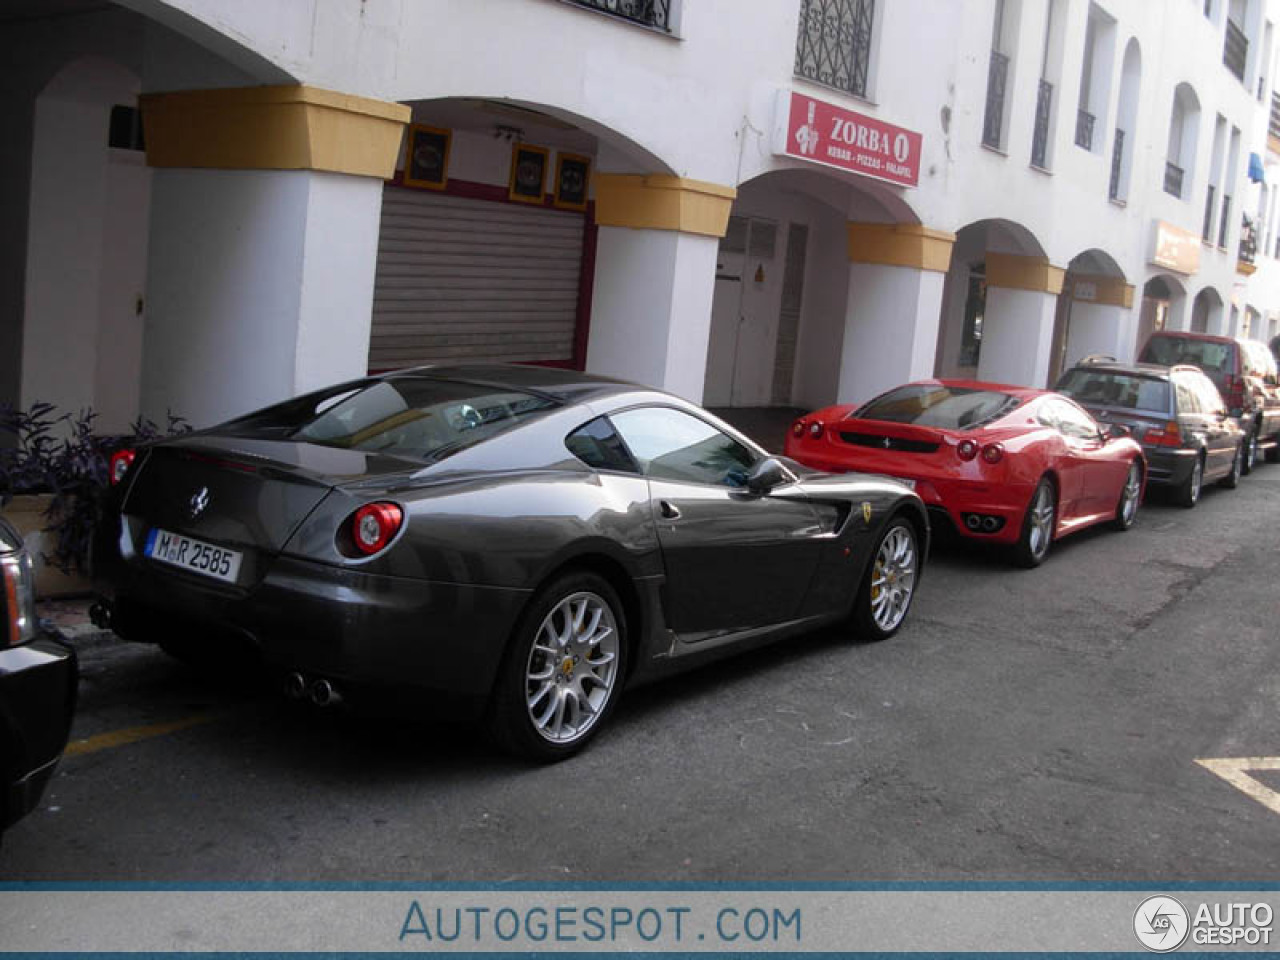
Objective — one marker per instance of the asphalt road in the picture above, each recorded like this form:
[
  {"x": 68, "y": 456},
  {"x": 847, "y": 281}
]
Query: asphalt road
[{"x": 1024, "y": 725}]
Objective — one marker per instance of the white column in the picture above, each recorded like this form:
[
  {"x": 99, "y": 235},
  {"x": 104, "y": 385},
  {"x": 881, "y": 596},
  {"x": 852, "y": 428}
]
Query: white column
[
  {"x": 651, "y": 308},
  {"x": 1017, "y": 336},
  {"x": 1096, "y": 328},
  {"x": 260, "y": 285},
  {"x": 891, "y": 331}
]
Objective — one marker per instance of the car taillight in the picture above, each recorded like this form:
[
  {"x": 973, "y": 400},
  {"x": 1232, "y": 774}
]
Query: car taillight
[
  {"x": 120, "y": 463},
  {"x": 1235, "y": 392},
  {"x": 1167, "y": 436},
  {"x": 797, "y": 428},
  {"x": 993, "y": 452},
  {"x": 374, "y": 525},
  {"x": 815, "y": 430},
  {"x": 19, "y": 598},
  {"x": 967, "y": 449}
]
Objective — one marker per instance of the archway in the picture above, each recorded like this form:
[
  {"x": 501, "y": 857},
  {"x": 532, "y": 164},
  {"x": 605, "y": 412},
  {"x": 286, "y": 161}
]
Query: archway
[
  {"x": 1163, "y": 307},
  {"x": 1092, "y": 312},
  {"x": 1207, "y": 313}
]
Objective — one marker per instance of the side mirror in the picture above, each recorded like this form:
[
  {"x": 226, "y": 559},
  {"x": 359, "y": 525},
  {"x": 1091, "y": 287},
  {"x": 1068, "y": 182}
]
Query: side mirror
[
  {"x": 767, "y": 474},
  {"x": 1118, "y": 431}
]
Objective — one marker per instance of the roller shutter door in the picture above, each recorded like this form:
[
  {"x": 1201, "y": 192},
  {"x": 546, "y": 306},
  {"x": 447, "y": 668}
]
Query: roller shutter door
[{"x": 461, "y": 279}]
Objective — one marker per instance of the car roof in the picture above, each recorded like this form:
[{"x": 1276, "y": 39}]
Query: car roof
[
  {"x": 1022, "y": 393},
  {"x": 1154, "y": 370},
  {"x": 1190, "y": 335}
]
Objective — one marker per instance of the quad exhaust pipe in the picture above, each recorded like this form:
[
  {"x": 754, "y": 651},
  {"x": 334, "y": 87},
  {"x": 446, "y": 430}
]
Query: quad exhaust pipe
[
  {"x": 978, "y": 522},
  {"x": 320, "y": 691}
]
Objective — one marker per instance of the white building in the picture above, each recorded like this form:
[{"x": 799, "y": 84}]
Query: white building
[{"x": 750, "y": 202}]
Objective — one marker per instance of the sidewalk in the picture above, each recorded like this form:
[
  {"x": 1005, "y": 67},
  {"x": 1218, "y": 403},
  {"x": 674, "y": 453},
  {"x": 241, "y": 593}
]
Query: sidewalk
[{"x": 70, "y": 617}]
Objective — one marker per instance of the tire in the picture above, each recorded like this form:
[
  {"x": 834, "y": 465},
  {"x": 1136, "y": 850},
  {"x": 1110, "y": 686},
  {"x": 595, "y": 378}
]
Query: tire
[
  {"x": 1130, "y": 495},
  {"x": 1273, "y": 452},
  {"x": 1188, "y": 495},
  {"x": 568, "y": 650},
  {"x": 1037, "y": 526},
  {"x": 1250, "y": 452},
  {"x": 1232, "y": 479},
  {"x": 889, "y": 586}
]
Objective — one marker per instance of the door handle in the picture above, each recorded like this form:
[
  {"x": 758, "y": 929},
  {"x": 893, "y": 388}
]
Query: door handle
[{"x": 668, "y": 510}]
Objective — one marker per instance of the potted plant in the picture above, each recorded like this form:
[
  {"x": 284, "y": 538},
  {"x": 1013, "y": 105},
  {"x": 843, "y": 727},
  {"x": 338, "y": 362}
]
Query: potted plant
[{"x": 53, "y": 481}]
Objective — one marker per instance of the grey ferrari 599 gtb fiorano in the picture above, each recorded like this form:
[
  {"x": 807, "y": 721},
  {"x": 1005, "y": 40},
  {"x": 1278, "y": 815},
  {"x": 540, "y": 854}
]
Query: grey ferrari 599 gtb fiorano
[{"x": 519, "y": 542}]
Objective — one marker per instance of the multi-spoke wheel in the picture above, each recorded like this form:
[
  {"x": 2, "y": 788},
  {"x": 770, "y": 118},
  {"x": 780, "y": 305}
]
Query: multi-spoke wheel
[
  {"x": 1130, "y": 493},
  {"x": 886, "y": 591},
  {"x": 563, "y": 670},
  {"x": 1037, "y": 526},
  {"x": 1232, "y": 479},
  {"x": 1188, "y": 495}
]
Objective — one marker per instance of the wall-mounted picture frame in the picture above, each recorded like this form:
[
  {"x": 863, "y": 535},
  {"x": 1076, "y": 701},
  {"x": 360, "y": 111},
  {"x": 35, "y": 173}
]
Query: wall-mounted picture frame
[
  {"x": 426, "y": 160},
  {"x": 573, "y": 181},
  {"x": 528, "y": 173}
]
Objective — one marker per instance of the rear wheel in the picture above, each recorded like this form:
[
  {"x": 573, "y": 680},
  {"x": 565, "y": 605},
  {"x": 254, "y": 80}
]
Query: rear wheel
[
  {"x": 1273, "y": 452},
  {"x": 563, "y": 670},
  {"x": 1127, "y": 508},
  {"x": 886, "y": 591},
  {"x": 1250, "y": 459},
  {"x": 1037, "y": 526},
  {"x": 1188, "y": 495},
  {"x": 1232, "y": 479}
]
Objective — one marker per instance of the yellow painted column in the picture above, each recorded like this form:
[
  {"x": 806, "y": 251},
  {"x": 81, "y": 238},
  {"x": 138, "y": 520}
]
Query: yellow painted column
[{"x": 1017, "y": 327}]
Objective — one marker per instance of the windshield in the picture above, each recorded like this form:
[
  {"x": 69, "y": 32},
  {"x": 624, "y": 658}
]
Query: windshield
[
  {"x": 1107, "y": 389},
  {"x": 1205, "y": 354},
  {"x": 936, "y": 405},
  {"x": 411, "y": 417}
]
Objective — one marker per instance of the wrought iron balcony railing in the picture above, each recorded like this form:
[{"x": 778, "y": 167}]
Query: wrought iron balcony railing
[
  {"x": 1084, "y": 129},
  {"x": 833, "y": 45},
  {"x": 649, "y": 13},
  {"x": 1117, "y": 157},
  {"x": 1206, "y": 229},
  {"x": 1172, "y": 179},
  {"x": 1222, "y": 224},
  {"x": 1248, "y": 240},
  {"x": 993, "y": 119},
  {"x": 1040, "y": 132},
  {"x": 1273, "y": 125},
  {"x": 1235, "y": 50}
]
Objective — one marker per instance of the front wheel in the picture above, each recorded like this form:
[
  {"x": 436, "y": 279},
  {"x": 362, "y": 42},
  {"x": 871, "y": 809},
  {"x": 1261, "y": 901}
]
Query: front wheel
[
  {"x": 886, "y": 591},
  {"x": 1232, "y": 479},
  {"x": 1250, "y": 452},
  {"x": 1127, "y": 508},
  {"x": 1188, "y": 495},
  {"x": 1037, "y": 526},
  {"x": 563, "y": 671}
]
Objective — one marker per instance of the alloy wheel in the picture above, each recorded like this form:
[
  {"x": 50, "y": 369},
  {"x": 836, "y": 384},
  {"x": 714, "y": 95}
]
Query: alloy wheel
[
  {"x": 1129, "y": 497},
  {"x": 1042, "y": 514},
  {"x": 893, "y": 579},
  {"x": 572, "y": 667}
]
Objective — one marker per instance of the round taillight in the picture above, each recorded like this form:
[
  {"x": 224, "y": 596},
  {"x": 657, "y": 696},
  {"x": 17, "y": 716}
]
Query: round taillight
[
  {"x": 374, "y": 525},
  {"x": 797, "y": 428},
  {"x": 993, "y": 452},
  {"x": 967, "y": 450},
  {"x": 119, "y": 465},
  {"x": 815, "y": 429}
]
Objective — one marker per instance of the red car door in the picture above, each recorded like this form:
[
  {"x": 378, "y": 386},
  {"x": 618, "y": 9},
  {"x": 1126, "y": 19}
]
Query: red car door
[{"x": 1100, "y": 474}]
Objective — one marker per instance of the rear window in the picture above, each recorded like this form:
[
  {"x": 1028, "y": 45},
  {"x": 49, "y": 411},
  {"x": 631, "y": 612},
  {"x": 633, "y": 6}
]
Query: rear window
[
  {"x": 936, "y": 405},
  {"x": 419, "y": 418},
  {"x": 1122, "y": 390},
  {"x": 1205, "y": 354}
]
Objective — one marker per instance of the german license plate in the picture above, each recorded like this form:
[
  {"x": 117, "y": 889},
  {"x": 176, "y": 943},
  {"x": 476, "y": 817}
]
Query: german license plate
[{"x": 194, "y": 555}]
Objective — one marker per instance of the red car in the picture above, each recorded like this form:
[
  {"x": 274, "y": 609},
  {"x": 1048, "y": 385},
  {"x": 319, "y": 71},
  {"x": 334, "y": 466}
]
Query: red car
[{"x": 1005, "y": 464}]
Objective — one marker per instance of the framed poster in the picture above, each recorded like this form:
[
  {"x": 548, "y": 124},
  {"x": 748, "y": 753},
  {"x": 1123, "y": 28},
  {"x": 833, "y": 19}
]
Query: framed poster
[
  {"x": 573, "y": 177},
  {"x": 426, "y": 161},
  {"x": 528, "y": 173}
]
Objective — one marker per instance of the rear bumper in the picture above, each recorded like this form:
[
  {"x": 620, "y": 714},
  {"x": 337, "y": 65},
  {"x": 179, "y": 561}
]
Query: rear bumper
[
  {"x": 37, "y": 699},
  {"x": 1167, "y": 467},
  {"x": 352, "y": 628}
]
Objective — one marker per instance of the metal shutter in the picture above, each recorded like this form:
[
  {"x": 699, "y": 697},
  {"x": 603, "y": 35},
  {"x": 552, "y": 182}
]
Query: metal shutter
[{"x": 461, "y": 279}]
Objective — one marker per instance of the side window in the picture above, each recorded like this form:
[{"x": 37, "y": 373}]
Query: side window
[
  {"x": 598, "y": 445},
  {"x": 672, "y": 445},
  {"x": 1188, "y": 400},
  {"x": 1047, "y": 415},
  {"x": 1210, "y": 398},
  {"x": 1075, "y": 423}
]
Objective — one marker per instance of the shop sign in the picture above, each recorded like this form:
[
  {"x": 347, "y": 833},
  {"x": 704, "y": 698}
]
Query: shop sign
[
  {"x": 1175, "y": 249},
  {"x": 821, "y": 132}
]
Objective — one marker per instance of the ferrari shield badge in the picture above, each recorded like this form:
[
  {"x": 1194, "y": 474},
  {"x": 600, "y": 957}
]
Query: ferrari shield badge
[{"x": 866, "y": 513}]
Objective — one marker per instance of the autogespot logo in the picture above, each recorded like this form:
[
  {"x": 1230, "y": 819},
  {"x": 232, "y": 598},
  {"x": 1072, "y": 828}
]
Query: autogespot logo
[{"x": 1161, "y": 923}]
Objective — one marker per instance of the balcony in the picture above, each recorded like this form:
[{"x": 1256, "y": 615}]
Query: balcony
[
  {"x": 833, "y": 45},
  {"x": 1248, "y": 244},
  {"x": 647, "y": 13},
  {"x": 1173, "y": 179},
  {"x": 1235, "y": 51},
  {"x": 997, "y": 78},
  {"x": 1084, "y": 129},
  {"x": 1273, "y": 125},
  {"x": 1040, "y": 132},
  {"x": 1117, "y": 157}
]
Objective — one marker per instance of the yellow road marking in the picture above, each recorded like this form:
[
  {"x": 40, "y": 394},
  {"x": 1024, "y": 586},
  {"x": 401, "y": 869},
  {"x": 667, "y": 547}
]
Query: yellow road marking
[
  {"x": 120, "y": 738},
  {"x": 1235, "y": 770}
]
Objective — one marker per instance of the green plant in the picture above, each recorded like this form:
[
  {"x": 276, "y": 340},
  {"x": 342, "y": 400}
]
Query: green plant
[{"x": 60, "y": 454}]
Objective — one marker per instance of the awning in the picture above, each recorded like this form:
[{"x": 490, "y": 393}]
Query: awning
[{"x": 1256, "y": 172}]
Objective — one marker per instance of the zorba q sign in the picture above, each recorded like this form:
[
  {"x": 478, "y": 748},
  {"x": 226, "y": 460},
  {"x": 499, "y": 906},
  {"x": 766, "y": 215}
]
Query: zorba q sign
[{"x": 823, "y": 133}]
